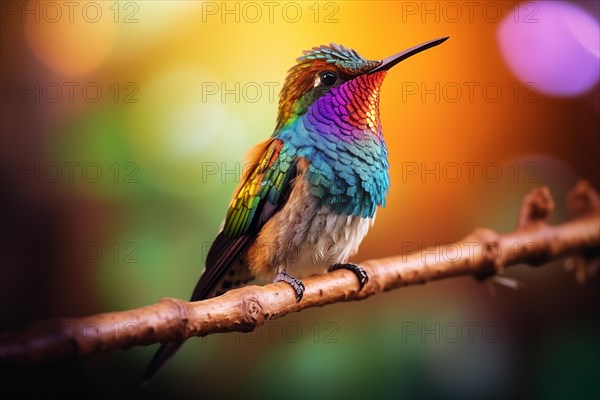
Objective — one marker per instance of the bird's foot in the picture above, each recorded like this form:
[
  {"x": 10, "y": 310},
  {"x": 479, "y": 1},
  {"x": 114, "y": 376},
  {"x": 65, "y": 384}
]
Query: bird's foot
[
  {"x": 360, "y": 273},
  {"x": 295, "y": 283}
]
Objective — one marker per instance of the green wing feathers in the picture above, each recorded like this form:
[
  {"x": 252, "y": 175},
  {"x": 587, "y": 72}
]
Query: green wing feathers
[{"x": 262, "y": 191}]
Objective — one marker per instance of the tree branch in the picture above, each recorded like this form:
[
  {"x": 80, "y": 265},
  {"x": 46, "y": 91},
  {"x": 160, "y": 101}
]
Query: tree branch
[{"x": 482, "y": 254}]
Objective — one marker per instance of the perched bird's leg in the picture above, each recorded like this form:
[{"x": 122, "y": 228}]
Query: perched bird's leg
[
  {"x": 360, "y": 273},
  {"x": 295, "y": 283}
]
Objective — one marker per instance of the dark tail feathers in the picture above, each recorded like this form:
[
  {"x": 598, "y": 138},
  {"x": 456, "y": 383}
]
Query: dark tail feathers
[{"x": 162, "y": 355}]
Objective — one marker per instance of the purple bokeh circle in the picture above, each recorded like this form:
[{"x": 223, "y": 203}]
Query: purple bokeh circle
[{"x": 555, "y": 45}]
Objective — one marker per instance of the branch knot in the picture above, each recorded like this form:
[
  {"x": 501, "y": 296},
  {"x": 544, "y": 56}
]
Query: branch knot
[{"x": 252, "y": 311}]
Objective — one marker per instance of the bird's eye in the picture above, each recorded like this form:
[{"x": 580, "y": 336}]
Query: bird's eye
[{"x": 329, "y": 78}]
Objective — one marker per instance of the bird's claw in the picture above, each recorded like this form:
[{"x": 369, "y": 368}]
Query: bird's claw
[
  {"x": 295, "y": 283},
  {"x": 360, "y": 273}
]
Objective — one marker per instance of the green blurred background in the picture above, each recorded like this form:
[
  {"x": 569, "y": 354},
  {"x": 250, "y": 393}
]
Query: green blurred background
[{"x": 123, "y": 125}]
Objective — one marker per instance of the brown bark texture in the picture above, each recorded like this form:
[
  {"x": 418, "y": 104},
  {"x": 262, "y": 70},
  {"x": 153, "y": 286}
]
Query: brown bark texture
[{"x": 482, "y": 254}]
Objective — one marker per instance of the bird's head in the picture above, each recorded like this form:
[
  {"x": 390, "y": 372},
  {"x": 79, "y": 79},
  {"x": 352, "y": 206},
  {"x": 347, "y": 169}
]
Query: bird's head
[{"x": 345, "y": 84}]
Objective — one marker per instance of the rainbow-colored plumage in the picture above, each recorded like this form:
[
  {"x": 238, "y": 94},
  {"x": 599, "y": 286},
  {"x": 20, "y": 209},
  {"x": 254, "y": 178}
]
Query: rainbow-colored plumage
[
  {"x": 340, "y": 135},
  {"x": 311, "y": 194}
]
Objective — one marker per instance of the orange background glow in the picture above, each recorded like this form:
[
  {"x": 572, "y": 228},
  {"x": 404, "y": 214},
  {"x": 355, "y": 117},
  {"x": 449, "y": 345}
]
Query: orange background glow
[{"x": 123, "y": 128}]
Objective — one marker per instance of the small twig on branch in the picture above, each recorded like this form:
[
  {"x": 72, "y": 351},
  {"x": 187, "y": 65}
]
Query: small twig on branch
[{"x": 482, "y": 254}]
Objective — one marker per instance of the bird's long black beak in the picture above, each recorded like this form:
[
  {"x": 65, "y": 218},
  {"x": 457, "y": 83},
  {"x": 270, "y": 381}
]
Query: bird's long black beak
[{"x": 389, "y": 62}]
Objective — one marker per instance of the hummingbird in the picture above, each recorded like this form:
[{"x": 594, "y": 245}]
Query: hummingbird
[{"x": 312, "y": 188}]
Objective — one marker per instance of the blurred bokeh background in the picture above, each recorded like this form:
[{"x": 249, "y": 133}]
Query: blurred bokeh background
[{"x": 123, "y": 124}]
